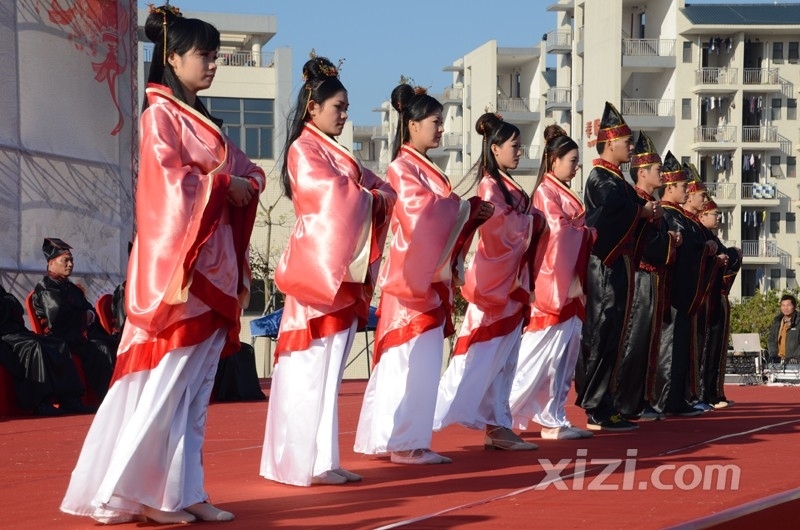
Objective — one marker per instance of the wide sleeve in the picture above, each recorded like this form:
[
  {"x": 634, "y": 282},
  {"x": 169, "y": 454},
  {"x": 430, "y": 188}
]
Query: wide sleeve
[
  {"x": 562, "y": 252},
  {"x": 331, "y": 240},
  {"x": 693, "y": 270},
  {"x": 614, "y": 211},
  {"x": 493, "y": 273},
  {"x": 178, "y": 205},
  {"x": 657, "y": 246},
  {"x": 426, "y": 227}
]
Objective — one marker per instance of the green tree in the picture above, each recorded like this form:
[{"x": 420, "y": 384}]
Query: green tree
[{"x": 755, "y": 314}]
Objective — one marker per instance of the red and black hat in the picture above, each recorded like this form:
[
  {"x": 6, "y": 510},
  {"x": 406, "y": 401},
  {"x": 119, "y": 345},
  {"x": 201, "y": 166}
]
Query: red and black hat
[
  {"x": 612, "y": 125},
  {"x": 671, "y": 170},
  {"x": 696, "y": 184},
  {"x": 644, "y": 154}
]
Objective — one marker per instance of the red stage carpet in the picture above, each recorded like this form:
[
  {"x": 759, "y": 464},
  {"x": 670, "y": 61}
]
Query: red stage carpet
[{"x": 731, "y": 468}]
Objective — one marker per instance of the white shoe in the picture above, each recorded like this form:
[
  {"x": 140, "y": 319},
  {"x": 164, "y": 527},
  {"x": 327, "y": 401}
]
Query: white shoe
[
  {"x": 420, "y": 456},
  {"x": 329, "y": 477},
  {"x": 164, "y": 517},
  {"x": 582, "y": 432},
  {"x": 560, "y": 433},
  {"x": 348, "y": 475},
  {"x": 205, "y": 511}
]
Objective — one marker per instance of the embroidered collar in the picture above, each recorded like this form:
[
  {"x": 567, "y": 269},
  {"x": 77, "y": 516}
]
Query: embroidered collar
[
  {"x": 333, "y": 144},
  {"x": 643, "y": 194},
  {"x": 426, "y": 162},
  {"x": 566, "y": 189},
  {"x": 599, "y": 162}
]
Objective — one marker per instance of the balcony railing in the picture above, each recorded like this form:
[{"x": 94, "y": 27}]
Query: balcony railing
[
  {"x": 451, "y": 139},
  {"x": 456, "y": 93},
  {"x": 760, "y": 249},
  {"x": 716, "y": 76},
  {"x": 517, "y": 105},
  {"x": 759, "y": 191},
  {"x": 262, "y": 59},
  {"x": 381, "y": 131},
  {"x": 561, "y": 38},
  {"x": 648, "y": 107},
  {"x": 715, "y": 134},
  {"x": 557, "y": 95},
  {"x": 761, "y": 76},
  {"x": 756, "y": 133},
  {"x": 530, "y": 152},
  {"x": 648, "y": 47},
  {"x": 722, "y": 191}
]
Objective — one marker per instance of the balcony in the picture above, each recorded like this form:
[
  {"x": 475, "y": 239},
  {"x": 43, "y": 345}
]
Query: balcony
[
  {"x": 519, "y": 109},
  {"x": 723, "y": 193},
  {"x": 531, "y": 157},
  {"x": 558, "y": 98},
  {"x": 760, "y": 252},
  {"x": 452, "y": 141},
  {"x": 760, "y": 195},
  {"x": 453, "y": 95},
  {"x": 648, "y": 54},
  {"x": 711, "y": 137},
  {"x": 715, "y": 80},
  {"x": 246, "y": 58},
  {"x": 559, "y": 41},
  {"x": 649, "y": 113},
  {"x": 381, "y": 132},
  {"x": 761, "y": 134},
  {"x": 762, "y": 79}
]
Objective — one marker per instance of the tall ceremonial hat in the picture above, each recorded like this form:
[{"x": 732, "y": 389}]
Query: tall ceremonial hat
[
  {"x": 671, "y": 170},
  {"x": 696, "y": 184},
  {"x": 612, "y": 125},
  {"x": 644, "y": 154},
  {"x": 54, "y": 247}
]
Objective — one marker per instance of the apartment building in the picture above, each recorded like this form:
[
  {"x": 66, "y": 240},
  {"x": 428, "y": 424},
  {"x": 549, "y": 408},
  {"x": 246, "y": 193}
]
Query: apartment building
[{"x": 715, "y": 84}]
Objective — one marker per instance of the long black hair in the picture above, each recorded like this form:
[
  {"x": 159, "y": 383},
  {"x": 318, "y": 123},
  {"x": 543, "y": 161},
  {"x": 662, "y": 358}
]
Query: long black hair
[
  {"x": 412, "y": 105},
  {"x": 183, "y": 34},
  {"x": 496, "y": 131},
  {"x": 321, "y": 83},
  {"x": 557, "y": 144}
]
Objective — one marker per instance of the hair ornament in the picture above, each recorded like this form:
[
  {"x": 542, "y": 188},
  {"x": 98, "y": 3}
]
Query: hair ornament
[
  {"x": 163, "y": 10},
  {"x": 326, "y": 69}
]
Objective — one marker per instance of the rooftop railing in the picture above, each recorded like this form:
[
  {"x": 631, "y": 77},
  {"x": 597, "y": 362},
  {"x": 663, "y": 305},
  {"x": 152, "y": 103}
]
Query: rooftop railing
[
  {"x": 648, "y": 107},
  {"x": 648, "y": 47}
]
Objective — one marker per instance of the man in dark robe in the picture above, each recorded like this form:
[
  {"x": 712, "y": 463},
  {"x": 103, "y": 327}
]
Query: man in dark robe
[
  {"x": 617, "y": 212},
  {"x": 718, "y": 317},
  {"x": 687, "y": 282},
  {"x": 65, "y": 313},
  {"x": 41, "y": 367},
  {"x": 655, "y": 249}
]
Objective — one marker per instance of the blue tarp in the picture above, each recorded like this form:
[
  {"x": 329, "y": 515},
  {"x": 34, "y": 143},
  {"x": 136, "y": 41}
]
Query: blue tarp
[{"x": 268, "y": 325}]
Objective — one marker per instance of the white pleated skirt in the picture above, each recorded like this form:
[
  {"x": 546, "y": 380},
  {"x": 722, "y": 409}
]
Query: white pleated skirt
[
  {"x": 544, "y": 375},
  {"x": 475, "y": 387},
  {"x": 144, "y": 447},
  {"x": 397, "y": 412},
  {"x": 301, "y": 439}
]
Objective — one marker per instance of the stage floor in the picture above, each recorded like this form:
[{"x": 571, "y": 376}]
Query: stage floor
[{"x": 669, "y": 473}]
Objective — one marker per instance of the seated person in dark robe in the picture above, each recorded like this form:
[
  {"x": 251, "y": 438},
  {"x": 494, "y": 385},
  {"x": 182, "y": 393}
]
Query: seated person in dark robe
[
  {"x": 64, "y": 312},
  {"x": 41, "y": 367},
  {"x": 118, "y": 308}
]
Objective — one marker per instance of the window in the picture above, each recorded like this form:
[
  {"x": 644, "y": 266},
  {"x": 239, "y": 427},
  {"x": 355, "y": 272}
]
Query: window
[
  {"x": 794, "y": 52},
  {"x": 776, "y": 109},
  {"x": 777, "y": 51},
  {"x": 791, "y": 167},
  {"x": 791, "y": 279},
  {"x": 357, "y": 146},
  {"x": 775, "y": 167},
  {"x": 791, "y": 109},
  {"x": 249, "y": 123},
  {"x": 774, "y": 279},
  {"x": 791, "y": 226},
  {"x": 687, "y": 51},
  {"x": 774, "y": 222},
  {"x": 686, "y": 109}
]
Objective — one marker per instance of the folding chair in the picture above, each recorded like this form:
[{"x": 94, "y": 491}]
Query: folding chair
[
  {"x": 36, "y": 325},
  {"x": 745, "y": 360}
]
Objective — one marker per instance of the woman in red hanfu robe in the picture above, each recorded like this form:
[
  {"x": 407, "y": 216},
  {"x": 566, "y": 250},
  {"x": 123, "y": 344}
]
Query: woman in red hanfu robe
[
  {"x": 188, "y": 279},
  {"x": 475, "y": 387},
  {"x": 431, "y": 227},
  {"x": 326, "y": 273},
  {"x": 551, "y": 342}
]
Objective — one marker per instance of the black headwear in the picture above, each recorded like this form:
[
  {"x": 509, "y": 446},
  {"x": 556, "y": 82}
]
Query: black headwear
[
  {"x": 54, "y": 247},
  {"x": 612, "y": 125},
  {"x": 672, "y": 170},
  {"x": 644, "y": 154}
]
